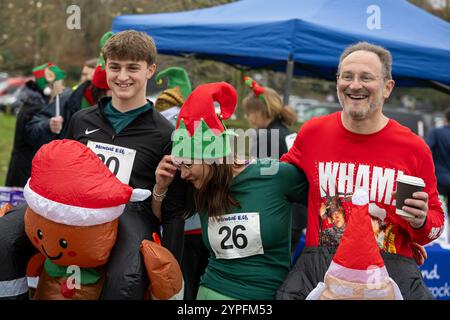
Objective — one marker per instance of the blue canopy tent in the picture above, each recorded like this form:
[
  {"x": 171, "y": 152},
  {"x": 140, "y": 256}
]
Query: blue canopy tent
[{"x": 307, "y": 36}]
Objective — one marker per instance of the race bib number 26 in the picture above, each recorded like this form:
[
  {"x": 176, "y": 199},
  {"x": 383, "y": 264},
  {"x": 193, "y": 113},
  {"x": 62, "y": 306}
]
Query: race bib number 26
[
  {"x": 119, "y": 160},
  {"x": 235, "y": 236}
]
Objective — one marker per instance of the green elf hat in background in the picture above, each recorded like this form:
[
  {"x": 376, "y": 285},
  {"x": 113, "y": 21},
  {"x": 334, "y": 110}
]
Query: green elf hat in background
[
  {"x": 177, "y": 77},
  {"x": 99, "y": 76},
  {"x": 200, "y": 133},
  {"x": 256, "y": 88},
  {"x": 169, "y": 98},
  {"x": 47, "y": 73}
]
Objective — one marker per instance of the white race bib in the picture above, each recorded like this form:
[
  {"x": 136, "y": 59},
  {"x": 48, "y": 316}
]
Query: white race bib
[
  {"x": 119, "y": 160},
  {"x": 235, "y": 236}
]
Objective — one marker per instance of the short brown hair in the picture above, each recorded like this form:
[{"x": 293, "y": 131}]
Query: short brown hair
[
  {"x": 91, "y": 63},
  {"x": 130, "y": 45},
  {"x": 383, "y": 54}
]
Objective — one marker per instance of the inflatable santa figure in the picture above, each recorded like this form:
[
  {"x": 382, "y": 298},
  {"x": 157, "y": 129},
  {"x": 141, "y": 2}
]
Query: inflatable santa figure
[{"x": 357, "y": 271}]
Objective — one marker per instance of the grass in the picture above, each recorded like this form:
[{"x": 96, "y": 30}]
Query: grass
[{"x": 7, "y": 126}]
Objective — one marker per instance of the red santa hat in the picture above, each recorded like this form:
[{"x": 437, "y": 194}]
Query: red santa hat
[
  {"x": 70, "y": 185},
  {"x": 357, "y": 270}
]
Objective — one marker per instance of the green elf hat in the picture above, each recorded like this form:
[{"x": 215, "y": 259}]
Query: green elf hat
[
  {"x": 200, "y": 133},
  {"x": 47, "y": 73},
  {"x": 256, "y": 88},
  {"x": 178, "y": 77},
  {"x": 99, "y": 76}
]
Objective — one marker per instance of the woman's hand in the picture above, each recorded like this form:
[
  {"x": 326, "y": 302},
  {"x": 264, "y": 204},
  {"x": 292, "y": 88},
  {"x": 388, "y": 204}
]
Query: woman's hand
[{"x": 165, "y": 173}]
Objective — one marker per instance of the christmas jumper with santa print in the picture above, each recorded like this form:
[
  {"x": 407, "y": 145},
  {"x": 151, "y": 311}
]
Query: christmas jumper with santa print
[{"x": 336, "y": 161}]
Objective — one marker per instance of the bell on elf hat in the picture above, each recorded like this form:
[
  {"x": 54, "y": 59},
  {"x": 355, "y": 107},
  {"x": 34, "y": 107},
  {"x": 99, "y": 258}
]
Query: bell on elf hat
[
  {"x": 200, "y": 133},
  {"x": 70, "y": 185},
  {"x": 357, "y": 271}
]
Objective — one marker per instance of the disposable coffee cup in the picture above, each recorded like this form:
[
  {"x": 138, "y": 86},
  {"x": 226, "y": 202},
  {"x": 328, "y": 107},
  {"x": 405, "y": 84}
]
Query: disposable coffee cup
[{"x": 406, "y": 186}]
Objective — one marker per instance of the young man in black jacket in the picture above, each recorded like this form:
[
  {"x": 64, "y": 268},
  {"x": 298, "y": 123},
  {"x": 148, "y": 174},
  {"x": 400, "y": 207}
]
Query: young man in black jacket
[{"x": 131, "y": 137}]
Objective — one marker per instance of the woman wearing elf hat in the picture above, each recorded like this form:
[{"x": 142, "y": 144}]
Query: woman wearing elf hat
[
  {"x": 34, "y": 96},
  {"x": 245, "y": 208},
  {"x": 264, "y": 109}
]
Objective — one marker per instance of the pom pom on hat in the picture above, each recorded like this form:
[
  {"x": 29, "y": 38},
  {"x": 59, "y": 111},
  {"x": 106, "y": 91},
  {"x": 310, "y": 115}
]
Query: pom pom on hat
[{"x": 99, "y": 78}]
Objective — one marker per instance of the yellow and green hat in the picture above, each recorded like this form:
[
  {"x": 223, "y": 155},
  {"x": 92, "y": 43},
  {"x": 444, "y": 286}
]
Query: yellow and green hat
[{"x": 200, "y": 133}]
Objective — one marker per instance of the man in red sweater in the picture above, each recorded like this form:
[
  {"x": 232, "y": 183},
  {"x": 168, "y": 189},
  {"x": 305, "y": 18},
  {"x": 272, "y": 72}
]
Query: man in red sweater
[{"x": 359, "y": 147}]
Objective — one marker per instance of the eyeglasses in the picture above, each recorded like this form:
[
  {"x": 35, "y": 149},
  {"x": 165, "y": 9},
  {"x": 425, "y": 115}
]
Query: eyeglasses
[
  {"x": 187, "y": 166},
  {"x": 348, "y": 77}
]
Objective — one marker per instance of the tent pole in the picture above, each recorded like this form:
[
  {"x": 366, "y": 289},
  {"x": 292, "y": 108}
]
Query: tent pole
[{"x": 288, "y": 83}]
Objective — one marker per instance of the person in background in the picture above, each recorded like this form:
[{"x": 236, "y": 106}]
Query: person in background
[
  {"x": 169, "y": 102},
  {"x": 247, "y": 234},
  {"x": 46, "y": 125},
  {"x": 195, "y": 254},
  {"x": 88, "y": 70},
  {"x": 265, "y": 112},
  {"x": 439, "y": 142},
  {"x": 48, "y": 82}
]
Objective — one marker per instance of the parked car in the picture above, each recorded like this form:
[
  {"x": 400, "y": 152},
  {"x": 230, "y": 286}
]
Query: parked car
[
  {"x": 9, "y": 92},
  {"x": 419, "y": 122}
]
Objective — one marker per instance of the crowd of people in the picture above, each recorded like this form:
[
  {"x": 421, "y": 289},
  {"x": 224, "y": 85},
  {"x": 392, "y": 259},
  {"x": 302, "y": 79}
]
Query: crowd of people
[{"x": 231, "y": 227}]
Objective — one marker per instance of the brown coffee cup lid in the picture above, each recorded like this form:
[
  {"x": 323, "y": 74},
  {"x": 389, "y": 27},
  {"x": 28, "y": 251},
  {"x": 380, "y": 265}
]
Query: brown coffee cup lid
[{"x": 415, "y": 181}]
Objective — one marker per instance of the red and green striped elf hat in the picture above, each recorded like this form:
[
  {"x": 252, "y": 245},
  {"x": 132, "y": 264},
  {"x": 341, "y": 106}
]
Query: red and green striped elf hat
[
  {"x": 200, "y": 133},
  {"x": 256, "y": 88},
  {"x": 47, "y": 73}
]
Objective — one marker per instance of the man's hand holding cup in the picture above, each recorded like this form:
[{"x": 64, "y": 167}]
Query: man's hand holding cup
[{"x": 411, "y": 200}]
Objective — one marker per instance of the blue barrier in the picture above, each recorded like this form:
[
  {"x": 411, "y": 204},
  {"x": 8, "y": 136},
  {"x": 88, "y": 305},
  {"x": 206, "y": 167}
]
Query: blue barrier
[
  {"x": 436, "y": 270},
  {"x": 11, "y": 195}
]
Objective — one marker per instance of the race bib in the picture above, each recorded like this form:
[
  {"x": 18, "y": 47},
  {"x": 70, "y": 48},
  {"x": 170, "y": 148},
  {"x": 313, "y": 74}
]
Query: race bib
[
  {"x": 119, "y": 160},
  {"x": 235, "y": 236}
]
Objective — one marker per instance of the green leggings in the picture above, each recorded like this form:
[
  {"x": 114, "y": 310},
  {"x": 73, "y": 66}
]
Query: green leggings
[{"x": 205, "y": 293}]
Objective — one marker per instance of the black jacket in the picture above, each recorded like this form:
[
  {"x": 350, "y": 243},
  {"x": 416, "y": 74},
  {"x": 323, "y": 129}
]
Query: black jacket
[
  {"x": 150, "y": 135},
  {"x": 264, "y": 141},
  {"x": 38, "y": 130},
  {"x": 32, "y": 100}
]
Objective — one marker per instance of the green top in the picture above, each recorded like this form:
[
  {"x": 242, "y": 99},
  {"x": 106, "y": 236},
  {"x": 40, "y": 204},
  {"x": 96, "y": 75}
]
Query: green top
[
  {"x": 84, "y": 103},
  {"x": 250, "y": 248},
  {"x": 119, "y": 120}
]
